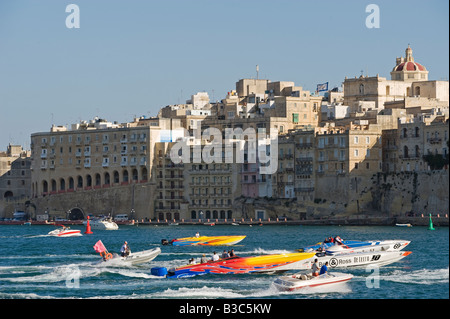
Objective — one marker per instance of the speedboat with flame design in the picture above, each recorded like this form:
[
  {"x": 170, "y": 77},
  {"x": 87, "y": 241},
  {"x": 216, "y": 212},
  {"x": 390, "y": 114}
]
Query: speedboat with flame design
[
  {"x": 243, "y": 265},
  {"x": 206, "y": 241}
]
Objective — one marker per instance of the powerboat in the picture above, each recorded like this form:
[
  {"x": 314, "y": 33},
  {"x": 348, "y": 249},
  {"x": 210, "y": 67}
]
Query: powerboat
[
  {"x": 65, "y": 232},
  {"x": 360, "y": 259},
  {"x": 102, "y": 224},
  {"x": 207, "y": 241},
  {"x": 243, "y": 265},
  {"x": 133, "y": 259},
  {"x": 299, "y": 281},
  {"x": 388, "y": 245}
]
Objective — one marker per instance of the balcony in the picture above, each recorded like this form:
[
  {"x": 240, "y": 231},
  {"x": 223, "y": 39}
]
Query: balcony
[{"x": 434, "y": 140}]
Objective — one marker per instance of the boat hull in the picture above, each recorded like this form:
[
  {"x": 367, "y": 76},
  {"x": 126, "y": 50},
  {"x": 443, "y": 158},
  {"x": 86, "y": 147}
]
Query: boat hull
[
  {"x": 102, "y": 225},
  {"x": 65, "y": 233},
  {"x": 136, "y": 258},
  {"x": 295, "y": 282},
  {"x": 208, "y": 241},
  {"x": 387, "y": 245},
  {"x": 243, "y": 265},
  {"x": 379, "y": 258}
]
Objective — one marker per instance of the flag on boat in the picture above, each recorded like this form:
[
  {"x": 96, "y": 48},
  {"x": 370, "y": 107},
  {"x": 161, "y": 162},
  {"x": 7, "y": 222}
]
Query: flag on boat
[
  {"x": 99, "y": 247},
  {"x": 322, "y": 87}
]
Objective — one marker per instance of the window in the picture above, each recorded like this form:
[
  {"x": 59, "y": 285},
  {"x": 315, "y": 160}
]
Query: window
[
  {"x": 356, "y": 139},
  {"x": 356, "y": 153},
  {"x": 295, "y": 117}
]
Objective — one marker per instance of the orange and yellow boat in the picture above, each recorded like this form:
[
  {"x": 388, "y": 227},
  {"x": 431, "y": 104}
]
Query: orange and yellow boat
[{"x": 208, "y": 241}]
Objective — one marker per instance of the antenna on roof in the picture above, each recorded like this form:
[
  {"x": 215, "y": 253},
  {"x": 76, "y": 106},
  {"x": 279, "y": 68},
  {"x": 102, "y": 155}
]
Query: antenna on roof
[{"x": 257, "y": 72}]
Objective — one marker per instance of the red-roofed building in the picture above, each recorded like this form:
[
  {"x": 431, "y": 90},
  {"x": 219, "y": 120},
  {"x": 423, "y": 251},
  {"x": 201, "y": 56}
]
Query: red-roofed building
[{"x": 406, "y": 69}]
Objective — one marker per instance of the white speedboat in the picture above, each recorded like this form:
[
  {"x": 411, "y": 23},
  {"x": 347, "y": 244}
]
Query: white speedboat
[
  {"x": 136, "y": 258},
  {"x": 65, "y": 232},
  {"x": 299, "y": 281},
  {"x": 361, "y": 259},
  {"x": 102, "y": 224},
  {"x": 387, "y": 245}
]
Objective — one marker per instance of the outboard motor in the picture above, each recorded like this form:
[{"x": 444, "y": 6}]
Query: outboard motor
[{"x": 164, "y": 242}]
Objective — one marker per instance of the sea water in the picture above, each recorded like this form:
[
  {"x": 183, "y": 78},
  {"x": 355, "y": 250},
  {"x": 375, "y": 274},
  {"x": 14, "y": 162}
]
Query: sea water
[{"x": 36, "y": 266}]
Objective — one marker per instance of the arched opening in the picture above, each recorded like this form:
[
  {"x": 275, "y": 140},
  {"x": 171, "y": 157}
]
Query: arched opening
[
  {"x": 134, "y": 175},
  {"x": 116, "y": 177},
  {"x": 71, "y": 183},
  {"x": 80, "y": 182},
  {"x": 8, "y": 194},
  {"x": 88, "y": 180},
  {"x": 417, "y": 151},
  {"x": 76, "y": 214},
  {"x": 125, "y": 176},
  {"x": 97, "y": 180},
  {"x": 417, "y": 91},
  {"x": 107, "y": 179},
  {"x": 193, "y": 214},
  {"x": 144, "y": 174},
  {"x": 44, "y": 187},
  {"x": 62, "y": 184}
]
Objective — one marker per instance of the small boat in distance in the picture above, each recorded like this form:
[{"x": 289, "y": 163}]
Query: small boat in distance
[
  {"x": 102, "y": 223},
  {"x": 299, "y": 281},
  {"x": 403, "y": 225},
  {"x": 65, "y": 232}
]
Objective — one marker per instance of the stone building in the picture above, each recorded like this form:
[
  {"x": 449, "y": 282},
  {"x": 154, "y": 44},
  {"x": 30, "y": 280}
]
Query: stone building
[{"x": 15, "y": 180}]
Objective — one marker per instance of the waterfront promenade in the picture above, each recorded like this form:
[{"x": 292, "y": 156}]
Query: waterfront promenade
[{"x": 354, "y": 220}]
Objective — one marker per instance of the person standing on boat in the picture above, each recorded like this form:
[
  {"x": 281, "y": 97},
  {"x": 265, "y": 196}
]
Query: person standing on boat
[
  {"x": 125, "y": 250},
  {"x": 315, "y": 268},
  {"x": 197, "y": 235},
  {"x": 215, "y": 257},
  {"x": 203, "y": 259},
  {"x": 324, "y": 269}
]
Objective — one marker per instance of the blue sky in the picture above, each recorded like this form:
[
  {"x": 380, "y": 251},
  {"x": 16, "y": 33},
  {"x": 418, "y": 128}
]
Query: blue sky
[{"x": 130, "y": 58}]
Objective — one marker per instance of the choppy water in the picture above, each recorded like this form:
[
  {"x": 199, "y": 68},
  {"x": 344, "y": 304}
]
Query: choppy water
[{"x": 36, "y": 266}]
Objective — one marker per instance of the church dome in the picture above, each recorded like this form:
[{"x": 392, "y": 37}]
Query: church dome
[
  {"x": 409, "y": 66},
  {"x": 406, "y": 69}
]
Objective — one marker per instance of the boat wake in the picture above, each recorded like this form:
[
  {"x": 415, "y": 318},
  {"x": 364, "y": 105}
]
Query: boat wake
[{"x": 420, "y": 277}]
